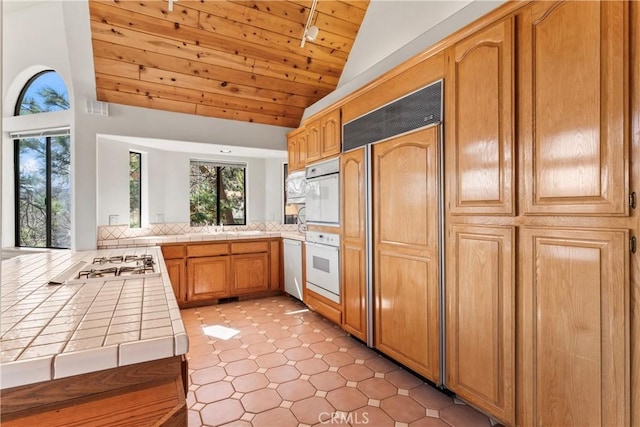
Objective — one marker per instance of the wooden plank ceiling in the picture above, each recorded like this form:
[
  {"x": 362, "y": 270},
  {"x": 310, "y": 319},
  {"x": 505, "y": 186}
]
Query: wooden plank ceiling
[{"x": 238, "y": 60}]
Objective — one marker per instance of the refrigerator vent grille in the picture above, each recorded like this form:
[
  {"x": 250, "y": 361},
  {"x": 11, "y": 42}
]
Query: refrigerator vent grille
[{"x": 418, "y": 109}]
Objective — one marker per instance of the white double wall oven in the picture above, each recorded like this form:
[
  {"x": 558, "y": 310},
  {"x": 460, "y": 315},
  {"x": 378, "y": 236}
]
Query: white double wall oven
[{"x": 323, "y": 248}]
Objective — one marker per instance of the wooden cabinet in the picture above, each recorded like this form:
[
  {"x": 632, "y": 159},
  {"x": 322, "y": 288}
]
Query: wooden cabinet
[
  {"x": 480, "y": 259},
  {"x": 176, "y": 271},
  {"x": 297, "y": 149},
  {"x": 275, "y": 265},
  {"x": 207, "y": 271},
  {"x": 331, "y": 131},
  {"x": 314, "y": 151},
  {"x": 250, "y": 273},
  {"x": 324, "y": 136},
  {"x": 353, "y": 243},
  {"x": 573, "y": 339},
  {"x": 208, "y": 277},
  {"x": 479, "y": 126},
  {"x": 480, "y": 317},
  {"x": 573, "y": 73},
  {"x": 405, "y": 250},
  {"x": 175, "y": 262}
]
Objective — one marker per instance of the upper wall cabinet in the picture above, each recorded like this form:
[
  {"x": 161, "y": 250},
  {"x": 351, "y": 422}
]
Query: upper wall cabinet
[
  {"x": 324, "y": 136},
  {"x": 573, "y": 107},
  {"x": 479, "y": 134},
  {"x": 297, "y": 149}
]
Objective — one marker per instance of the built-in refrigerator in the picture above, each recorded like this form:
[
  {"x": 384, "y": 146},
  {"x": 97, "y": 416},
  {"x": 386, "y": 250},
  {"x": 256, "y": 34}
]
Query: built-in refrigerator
[{"x": 397, "y": 148}]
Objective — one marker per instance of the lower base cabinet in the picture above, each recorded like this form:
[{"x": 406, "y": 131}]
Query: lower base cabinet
[
  {"x": 207, "y": 271},
  {"x": 208, "y": 277},
  {"x": 250, "y": 273}
]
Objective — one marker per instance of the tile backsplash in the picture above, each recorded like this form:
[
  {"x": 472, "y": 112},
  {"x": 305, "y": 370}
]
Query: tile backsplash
[{"x": 111, "y": 232}]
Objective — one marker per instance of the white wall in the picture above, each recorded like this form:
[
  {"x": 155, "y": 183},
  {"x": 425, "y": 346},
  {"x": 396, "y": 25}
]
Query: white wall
[{"x": 167, "y": 173}]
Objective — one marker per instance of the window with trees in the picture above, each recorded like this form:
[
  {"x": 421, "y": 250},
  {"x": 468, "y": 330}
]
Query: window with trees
[
  {"x": 135, "y": 189},
  {"x": 217, "y": 193},
  {"x": 42, "y": 168}
]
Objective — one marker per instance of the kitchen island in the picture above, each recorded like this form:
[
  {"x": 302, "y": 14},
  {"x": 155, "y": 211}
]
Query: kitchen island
[{"x": 90, "y": 352}]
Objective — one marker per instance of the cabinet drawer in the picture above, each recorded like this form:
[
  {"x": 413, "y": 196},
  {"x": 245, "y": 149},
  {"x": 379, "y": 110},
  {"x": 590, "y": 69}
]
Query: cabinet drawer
[
  {"x": 319, "y": 306},
  {"x": 173, "y": 251},
  {"x": 249, "y": 247},
  {"x": 208, "y": 249}
]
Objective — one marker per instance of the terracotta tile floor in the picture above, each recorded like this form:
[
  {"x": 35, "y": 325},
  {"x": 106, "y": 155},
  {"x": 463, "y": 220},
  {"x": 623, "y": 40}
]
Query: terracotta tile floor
[{"x": 287, "y": 366}]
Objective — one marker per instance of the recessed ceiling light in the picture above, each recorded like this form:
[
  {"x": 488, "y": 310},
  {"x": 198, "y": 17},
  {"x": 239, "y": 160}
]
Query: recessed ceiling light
[{"x": 225, "y": 151}]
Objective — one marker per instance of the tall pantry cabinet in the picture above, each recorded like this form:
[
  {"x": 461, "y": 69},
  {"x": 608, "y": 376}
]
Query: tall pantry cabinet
[
  {"x": 480, "y": 258},
  {"x": 537, "y": 222},
  {"x": 573, "y": 130}
]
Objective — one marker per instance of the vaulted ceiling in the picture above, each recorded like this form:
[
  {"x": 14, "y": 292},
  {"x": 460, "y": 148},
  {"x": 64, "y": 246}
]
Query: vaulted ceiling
[{"x": 236, "y": 59}]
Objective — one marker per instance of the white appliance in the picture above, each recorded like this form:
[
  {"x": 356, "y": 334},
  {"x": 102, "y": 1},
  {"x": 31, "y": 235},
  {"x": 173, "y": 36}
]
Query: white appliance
[
  {"x": 293, "y": 267},
  {"x": 296, "y": 185},
  {"x": 323, "y": 264},
  {"x": 323, "y": 193}
]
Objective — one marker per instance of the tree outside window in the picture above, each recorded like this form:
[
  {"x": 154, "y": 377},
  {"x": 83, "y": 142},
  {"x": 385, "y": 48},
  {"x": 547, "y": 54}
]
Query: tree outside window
[{"x": 217, "y": 194}]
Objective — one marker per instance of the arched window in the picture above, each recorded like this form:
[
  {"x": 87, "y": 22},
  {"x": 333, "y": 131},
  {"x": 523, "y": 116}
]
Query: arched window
[
  {"x": 42, "y": 168},
  {"x": 44, "y": 92}
]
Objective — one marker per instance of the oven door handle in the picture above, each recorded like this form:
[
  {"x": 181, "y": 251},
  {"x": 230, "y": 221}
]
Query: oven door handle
[{"x": 323, "y": 246}]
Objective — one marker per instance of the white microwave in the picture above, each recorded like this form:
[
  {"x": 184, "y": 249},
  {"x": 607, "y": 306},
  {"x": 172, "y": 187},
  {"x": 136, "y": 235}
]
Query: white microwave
[
  {"x": 296, "y": 185},
  {"x": 323, "y": 193}
]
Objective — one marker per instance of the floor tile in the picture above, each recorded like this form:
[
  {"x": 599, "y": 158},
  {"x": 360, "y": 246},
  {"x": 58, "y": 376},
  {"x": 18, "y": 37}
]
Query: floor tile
[
  {"x": 261, "y": 400},
  {"x": 296, "y": 390},
  {"x": 312, "y": 410},
  {"x": 347, "y": 399},
  {"x": 221, "y": 412},
  {"x": 282, "y": 374},
  {"x": 402, "y": 408},
  {"x": 377, "y": 388},
  {"x": 213, "y": 392}
]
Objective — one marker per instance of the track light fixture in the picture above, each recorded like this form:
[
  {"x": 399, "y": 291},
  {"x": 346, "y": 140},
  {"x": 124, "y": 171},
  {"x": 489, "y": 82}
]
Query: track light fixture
[{"x": 310, "y": 31}]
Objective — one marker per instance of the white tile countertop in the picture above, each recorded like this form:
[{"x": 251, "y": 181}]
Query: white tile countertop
[
  {"x": 55, "y": 331},
  {"x": 132, "y": 242}
]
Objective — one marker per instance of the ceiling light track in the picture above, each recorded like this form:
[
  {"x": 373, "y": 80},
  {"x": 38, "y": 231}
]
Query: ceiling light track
[{"x": 310, "y": 32}]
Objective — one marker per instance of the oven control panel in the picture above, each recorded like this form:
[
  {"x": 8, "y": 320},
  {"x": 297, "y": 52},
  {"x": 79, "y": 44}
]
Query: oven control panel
[{"x": 322, "y": 238}]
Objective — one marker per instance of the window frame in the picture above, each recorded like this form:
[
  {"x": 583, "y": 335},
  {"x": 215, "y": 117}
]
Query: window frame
[
  {"x": 27, "y": 86},
  {"x": 48, "y": 194},
  {"x": 219, "y": 165}
]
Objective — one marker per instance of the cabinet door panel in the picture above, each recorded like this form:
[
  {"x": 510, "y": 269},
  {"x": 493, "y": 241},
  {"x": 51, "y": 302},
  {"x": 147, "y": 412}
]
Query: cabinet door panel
[
  {"x": 573, "y": 342},
  {"x": 331, "y": 132},
  {"x": 574, "y": 108},
  {"x": 250, "y": 273},
  {"x": 405, "y": 228},
  {"x": 353, "y": 195},
  {"x": 208, "y": 277},
  {"x": 480, "y": 319},
  {"x": 313, "y": 141},
  {"x": 480, "y": 91},
  {"x": 176, "y": 270},
  {"x": 275, "y": 265}
]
